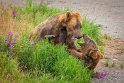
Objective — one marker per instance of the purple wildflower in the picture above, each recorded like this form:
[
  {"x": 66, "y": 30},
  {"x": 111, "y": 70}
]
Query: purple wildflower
[
  {"x": 11, "y": 46},
  {"x": 13, "y": 40},
  {"x": 14, "y": 12},
  {"x": 101, "y": 75},
  {"x": 32, "y": 42},
  {"x": 9, "y": 34},
  {"x": 6, "y": 41}
]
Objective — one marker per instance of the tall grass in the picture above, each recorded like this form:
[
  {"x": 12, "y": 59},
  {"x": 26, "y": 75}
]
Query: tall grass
[
  {"x": 46, "y": 58},
  {"x": 93, "y": 30},
  {"x": 42, "y": 62},
  {"x": 8, "y": 68}
]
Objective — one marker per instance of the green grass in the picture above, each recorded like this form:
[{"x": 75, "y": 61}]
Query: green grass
[
  {"x": 107, "y": 37},
  {"x": 8, "y": 68},
  {"x": 122, "y": 66},
  {"x": 46, "y": 58},
  {"x": 93, "y": 30},
  {"x": 43, "y": 62},
  {"x": 109, "y": 64}
]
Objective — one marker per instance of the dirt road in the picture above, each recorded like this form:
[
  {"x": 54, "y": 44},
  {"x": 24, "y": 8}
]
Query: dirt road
[{"x": 110, "y": 14}]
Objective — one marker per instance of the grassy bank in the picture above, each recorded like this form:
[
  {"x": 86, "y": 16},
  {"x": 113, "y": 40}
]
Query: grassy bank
[{"x": 44, "y": 62}]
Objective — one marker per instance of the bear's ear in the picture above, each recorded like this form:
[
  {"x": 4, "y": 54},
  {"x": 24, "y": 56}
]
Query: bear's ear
[{"x": 68, "y": 15}]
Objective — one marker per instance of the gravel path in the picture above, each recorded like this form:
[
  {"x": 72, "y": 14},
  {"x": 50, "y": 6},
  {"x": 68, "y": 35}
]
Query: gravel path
[{"x": 110, "y": 14}]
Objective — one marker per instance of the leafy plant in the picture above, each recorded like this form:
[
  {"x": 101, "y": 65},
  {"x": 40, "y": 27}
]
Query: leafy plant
[
  {"x": 48, "y": 58},
  {"x": 107, "y": 37},
  {"x": 106, "y": 63},
  {"x": 122, "y": 66},
  {"x": 8, "y": 68}
]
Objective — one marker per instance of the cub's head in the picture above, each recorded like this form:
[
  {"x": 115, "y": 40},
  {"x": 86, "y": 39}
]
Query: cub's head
[
  {"x": 72, "y": 23},
  {"x": 90, "y": 52},
  {"x": 88, "y": 46}
]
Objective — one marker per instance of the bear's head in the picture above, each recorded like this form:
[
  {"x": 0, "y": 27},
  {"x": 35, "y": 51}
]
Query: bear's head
[{"x": 72, "y": 24}]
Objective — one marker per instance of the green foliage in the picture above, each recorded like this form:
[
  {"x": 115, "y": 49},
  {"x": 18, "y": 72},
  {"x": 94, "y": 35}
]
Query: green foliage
[
  {"x": 122, "y": 66},
  {"x": 113, "y": 64},
  {"x": 46, "y": 58},
  {"x": 93, "y": 31},
  {"x": 8, "y": 68},
  {"x": 106, "y": 63},
  {"x": 107, "y": 37},
  {"x": 72, "y": 69}
]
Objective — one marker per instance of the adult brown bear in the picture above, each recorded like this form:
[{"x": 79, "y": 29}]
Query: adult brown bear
[
  {"x": 61, "y": 28},
  {"x": 90, "y": 52}
]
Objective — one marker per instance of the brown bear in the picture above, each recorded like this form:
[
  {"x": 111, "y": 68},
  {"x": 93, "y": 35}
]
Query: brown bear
[
  {"x": 60, "y": 28},
  {"x": 90, "y": 53}
]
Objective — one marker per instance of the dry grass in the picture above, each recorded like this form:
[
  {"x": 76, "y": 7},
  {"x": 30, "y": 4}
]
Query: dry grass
[
  {"x": 4, "y": 21},
  {"x": 8, "y": 23}
]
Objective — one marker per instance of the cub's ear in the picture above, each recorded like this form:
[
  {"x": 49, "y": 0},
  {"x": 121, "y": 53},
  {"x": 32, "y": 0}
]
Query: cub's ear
[{"x": 68, "y": 15}]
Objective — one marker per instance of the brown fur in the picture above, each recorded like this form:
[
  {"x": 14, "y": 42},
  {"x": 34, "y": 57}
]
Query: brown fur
[
  {"x": 90, "y": 52},
  {"x": 62, "y": 26}
]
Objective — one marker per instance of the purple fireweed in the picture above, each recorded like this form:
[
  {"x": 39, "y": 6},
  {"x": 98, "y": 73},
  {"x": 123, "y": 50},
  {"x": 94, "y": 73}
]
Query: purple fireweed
[
  {"x": 14, "y": 12},
  {"x": 13, "y": 40},
  {"x": 11, "y": 46},
  {"x": 32, "y": 42},
  {"x": 101, "y": 75},
  {"x": 9, "y": 34},
  {"x": 6, "y": 41}
]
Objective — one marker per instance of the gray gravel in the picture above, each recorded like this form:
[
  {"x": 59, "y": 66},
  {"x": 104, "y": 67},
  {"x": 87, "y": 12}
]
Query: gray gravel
[{"x": 116, "y": 76}]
